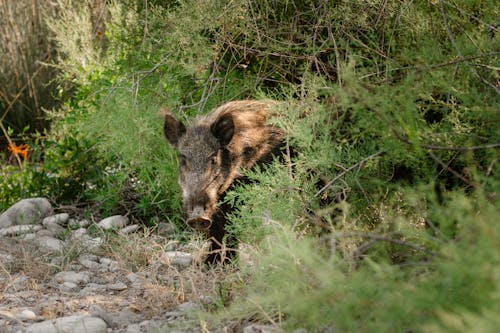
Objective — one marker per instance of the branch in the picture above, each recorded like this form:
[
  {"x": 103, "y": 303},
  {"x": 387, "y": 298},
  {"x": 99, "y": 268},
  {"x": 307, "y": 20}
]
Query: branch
[
  {"x": 432, "y": 147},
  {"x": 359, "y": 164},
  {"x": 460, "y": 55}
]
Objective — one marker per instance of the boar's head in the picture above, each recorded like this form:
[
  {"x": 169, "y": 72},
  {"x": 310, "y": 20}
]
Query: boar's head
[
  {"x": 204, "y": 165},
  {"x": 212, "y": 150}
]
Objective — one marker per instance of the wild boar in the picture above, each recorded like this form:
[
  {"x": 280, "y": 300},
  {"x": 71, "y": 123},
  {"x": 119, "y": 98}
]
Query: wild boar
[{"x": 213, "y": 150}]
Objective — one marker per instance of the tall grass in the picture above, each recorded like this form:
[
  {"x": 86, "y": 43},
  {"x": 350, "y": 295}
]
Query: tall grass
[{"x": 25, "y": 47}]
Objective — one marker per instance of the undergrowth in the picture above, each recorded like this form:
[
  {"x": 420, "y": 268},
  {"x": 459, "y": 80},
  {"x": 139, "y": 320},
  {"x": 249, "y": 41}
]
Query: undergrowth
[{"x": 382, "y": 215}]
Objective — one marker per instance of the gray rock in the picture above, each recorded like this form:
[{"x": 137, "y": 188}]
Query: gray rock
[
  {"x": 71, "y": 324},
  {"x": 119, "y": 286},
  {"x": 50, "y": 244},
  {"x": 55, "y": 228},
  {"x": 16, "y": 230},
  {"x": 71, "y": 276},
  {"x": 110, "y": 265},
  {"x": 186, "y": 307},
  {"x": 113, "y": 222},
  {"x": 258, "y": 328},
  {"x": 26, "y": 211},
  {"x": 6, "y": 259},
  {"x": 76, "y": 224},
  {"x": 179, "y": 259},
  {"x": 83, "y": 241},
  {"x": 92, "y": 289},
  {"x": 68, "y": 287},
  {"x": 134, "y": 328},
  {"x": 129, "y": 229},
  {"x": 165, "y": 229},
  {"x": 26, "y": 314},
  {"x": 89, "y": 264},
  {"x": 61, "y": 219}
]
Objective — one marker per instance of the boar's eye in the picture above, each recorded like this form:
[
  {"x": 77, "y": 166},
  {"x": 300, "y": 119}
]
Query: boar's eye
[
  {"x": 213, "y": 160},
  {"x": 183, "y": 161}
]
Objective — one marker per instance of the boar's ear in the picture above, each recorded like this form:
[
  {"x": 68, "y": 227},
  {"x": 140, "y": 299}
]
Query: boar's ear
[
  {"x": 223, "y": 129},
  {"x": 173, "y": 128}
]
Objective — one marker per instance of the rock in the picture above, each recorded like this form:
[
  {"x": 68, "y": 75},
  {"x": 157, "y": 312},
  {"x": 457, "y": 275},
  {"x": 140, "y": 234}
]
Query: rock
[
  {"x": 186, "y": 307},
  {"x": 76, "y": 224},
  {"x": 179, "y": 259},
  {"x": 88, "y": 262},
  {"x": 119, "y": 286},
  {"x": 61, "y": 219},
  {"x": 19, "y": 230},
  {"x": 6, "y": 259},
  {"x": 113, "y": 222},
  {"x": 110, "y": 265},
  {"x": 165, "y": 229},
  {"x": 71, "y": 324},
  {"x": 83, "y": 241},
  {"x": 26, "y": 315},
  {"x": 55, "y": 229},
  {"x": 68, "y": 287},
  {"x": 26, "y": 211},
  {"x": 129, "y": 229},
  {"x": 258, "y": 328},
  {"x": 71, "y": 276},
  {"x": 50, "y": 244}
]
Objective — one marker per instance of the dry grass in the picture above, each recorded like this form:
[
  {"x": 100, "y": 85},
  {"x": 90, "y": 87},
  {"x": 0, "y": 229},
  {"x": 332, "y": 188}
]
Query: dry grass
[{"x": 25, "y": 47}]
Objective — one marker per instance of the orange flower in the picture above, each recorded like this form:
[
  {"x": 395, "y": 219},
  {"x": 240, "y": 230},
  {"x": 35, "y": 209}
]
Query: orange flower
[{"x": 21, "y": 150}]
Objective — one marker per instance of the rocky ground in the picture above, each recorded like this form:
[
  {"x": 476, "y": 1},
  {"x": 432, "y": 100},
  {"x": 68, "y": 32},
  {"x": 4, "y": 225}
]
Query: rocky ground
[{"x": 64, "y": 274}]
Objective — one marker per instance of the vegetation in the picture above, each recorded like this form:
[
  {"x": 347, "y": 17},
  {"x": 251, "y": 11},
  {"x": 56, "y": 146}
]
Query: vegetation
[{"x": 384, "y": 219}]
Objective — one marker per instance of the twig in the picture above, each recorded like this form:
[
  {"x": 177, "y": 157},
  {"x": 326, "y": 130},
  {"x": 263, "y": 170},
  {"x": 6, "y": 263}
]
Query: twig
[
  {"x": 447, "y": 167},
  {"x": 457, "y": 49},
  {"x": 432, "y": 147},
  {"x": 359, "y": 165}
]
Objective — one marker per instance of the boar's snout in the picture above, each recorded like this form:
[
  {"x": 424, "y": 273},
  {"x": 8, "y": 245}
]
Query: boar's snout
[
  {"x": 198, "y": 219},
  {"x": 199, "y": 223}
]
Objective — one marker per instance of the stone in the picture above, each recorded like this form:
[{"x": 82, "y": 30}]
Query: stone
[
  {"x": 119, "y": 286},
  {"x": 76, "y": 224},
  {"x": 186, "y": 307},
  {"x": 26, "y": 211},
  {"x": 83, "y": 241},
  {"x": 68, "y": 287},
  {"x": 61, "y": 219},
  {"x": 72, "y": 276},
  {"x": 258, "y": 328},
  {"x": 50, "y": 244},
  {"x": 129, "y": 229},
  {"x": 113, "y": 222},
  {"x": 6, "y": 259},
  {"x": 165, "y": 229},
  {"x": 26, "y": 314},
  {"x": 71, "y": 324},
  {"x": 17, "y": 230},
  {"x": 179, "y": 259}
]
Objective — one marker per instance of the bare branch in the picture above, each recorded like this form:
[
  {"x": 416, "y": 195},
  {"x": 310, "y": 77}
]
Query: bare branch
[{"x": 357, "y": 165}]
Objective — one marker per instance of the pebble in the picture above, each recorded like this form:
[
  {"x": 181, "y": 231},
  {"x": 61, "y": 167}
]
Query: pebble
[
  {"x": 119, "y": 286},
  {"x": 50, "y": 244},
  {"x": 61, "y": 219},
  {"x": 17, "y": 230},
  {"x": 165, "y": 229},
  {"x": 129, "y": 229},
  {"x": 71, "y": 324},
  {"x": 179, "y": 259},
  {"x": 113, "y": 222},
  {"x": 76, "y": 224},
  {"x": 72, "y": 276}
]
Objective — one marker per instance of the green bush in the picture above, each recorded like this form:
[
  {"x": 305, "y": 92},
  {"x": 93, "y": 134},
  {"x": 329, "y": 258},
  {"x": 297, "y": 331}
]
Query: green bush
[{"x": 380, "y": 219}]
